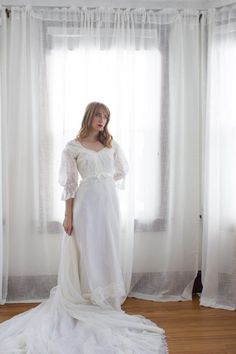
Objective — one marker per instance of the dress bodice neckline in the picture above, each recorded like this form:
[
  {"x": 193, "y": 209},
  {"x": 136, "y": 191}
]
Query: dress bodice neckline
[{"x": 96, "y": 151}]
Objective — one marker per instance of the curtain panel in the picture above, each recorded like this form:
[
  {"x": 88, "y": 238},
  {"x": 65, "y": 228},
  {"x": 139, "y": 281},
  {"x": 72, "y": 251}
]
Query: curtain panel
[
  {"x": 219, "y": 151},
  {"x": 60, "y": 59},
  {"x": 152, "y": 68}
]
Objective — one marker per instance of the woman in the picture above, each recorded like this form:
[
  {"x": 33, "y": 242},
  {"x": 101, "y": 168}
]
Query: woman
[
  {"x": 83, "y": 313},
  {"x": 92, "y": 213}
]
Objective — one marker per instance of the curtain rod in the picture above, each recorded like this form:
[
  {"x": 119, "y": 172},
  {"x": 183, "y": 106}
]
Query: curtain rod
[
  {"x": 79, "y": 3},
  {"x": 8, "y": 13},
  {"x": 147, "y": 4}
]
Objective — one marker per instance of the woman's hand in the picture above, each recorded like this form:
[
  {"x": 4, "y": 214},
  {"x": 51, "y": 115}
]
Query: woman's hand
[{"x": 68, "y": 225}]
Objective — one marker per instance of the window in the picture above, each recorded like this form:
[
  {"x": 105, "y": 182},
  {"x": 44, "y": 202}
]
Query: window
[
  {"x": 223, "y": 111},
  {"x": 134, "y": 85}
]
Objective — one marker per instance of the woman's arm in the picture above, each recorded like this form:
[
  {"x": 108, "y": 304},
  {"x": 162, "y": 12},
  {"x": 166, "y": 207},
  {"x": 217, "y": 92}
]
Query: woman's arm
[
  {"x": 68, "y": 220},
  {"x": 68, "y": 178}
]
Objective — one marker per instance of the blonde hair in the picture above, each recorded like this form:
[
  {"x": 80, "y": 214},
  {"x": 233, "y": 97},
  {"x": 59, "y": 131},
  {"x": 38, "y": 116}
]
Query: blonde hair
[{"x": 103, "y": 136}]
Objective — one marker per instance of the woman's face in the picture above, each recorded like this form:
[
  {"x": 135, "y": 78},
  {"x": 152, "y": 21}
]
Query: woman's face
[{"x": 99, "y": 119}]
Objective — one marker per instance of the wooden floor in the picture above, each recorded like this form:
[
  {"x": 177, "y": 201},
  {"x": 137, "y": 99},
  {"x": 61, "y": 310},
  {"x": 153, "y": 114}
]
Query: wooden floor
[{"x": 190, "y": 328}]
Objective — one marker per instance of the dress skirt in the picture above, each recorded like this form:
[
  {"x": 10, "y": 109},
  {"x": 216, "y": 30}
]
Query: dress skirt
[{"x": 96, "y": 229}]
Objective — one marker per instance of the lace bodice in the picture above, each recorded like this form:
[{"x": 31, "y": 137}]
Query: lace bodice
[{"x": 80, "y": 163}]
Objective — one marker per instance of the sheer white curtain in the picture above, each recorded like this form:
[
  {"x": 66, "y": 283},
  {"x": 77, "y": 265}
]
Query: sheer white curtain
[
  {"x": 3, "y": 176},
  {"x": 144, "y": 65},
  {"x": 169, "y": 83},
  {"x": 219, "y": 212},
  {"x": 30, "y": 235},
  {"x": 140, "y": 64},
  {"x": 166, "y": 255}
]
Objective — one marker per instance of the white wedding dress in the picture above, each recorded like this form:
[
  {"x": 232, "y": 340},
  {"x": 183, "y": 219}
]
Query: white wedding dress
[{"x": 83, "y": 313}]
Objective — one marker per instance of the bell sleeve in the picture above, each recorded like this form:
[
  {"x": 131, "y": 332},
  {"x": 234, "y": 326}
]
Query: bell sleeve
[
  {"x": 121, "y": 166},
  {"x": 68, "y": 174}
]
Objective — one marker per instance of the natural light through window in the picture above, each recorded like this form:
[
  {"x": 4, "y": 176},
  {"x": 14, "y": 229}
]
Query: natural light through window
[
  {"x": 129, "y": 82},
  {"x": 223, "y": 113}
]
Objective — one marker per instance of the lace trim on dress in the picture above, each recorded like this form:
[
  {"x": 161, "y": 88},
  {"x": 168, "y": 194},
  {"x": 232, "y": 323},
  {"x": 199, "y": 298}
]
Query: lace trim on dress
[{"x": 68, "y": 174}]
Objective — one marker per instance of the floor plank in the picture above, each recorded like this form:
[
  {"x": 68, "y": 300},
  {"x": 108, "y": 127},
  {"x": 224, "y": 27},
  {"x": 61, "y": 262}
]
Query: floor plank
[{"x": 190, "y": 328}]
